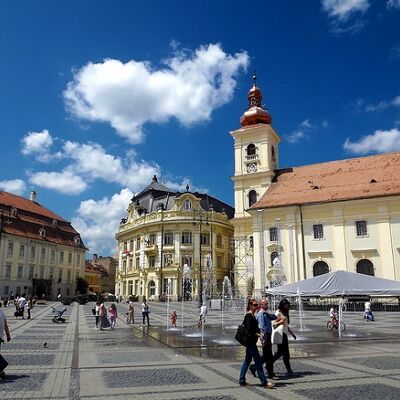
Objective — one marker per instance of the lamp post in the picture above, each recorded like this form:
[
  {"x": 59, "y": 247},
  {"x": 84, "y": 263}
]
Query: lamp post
[{"x": 201, "y": 219}]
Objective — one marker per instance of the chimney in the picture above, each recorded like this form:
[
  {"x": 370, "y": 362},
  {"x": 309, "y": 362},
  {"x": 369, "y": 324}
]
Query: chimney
[{"x": 32, "y": 196}]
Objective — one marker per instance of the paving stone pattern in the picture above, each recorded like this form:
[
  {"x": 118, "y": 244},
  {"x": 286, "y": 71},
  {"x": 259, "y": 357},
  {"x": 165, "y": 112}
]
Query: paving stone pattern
[
  {"x": 23, "y": 381},
  {"x": 31, "y": 359},
  {"x": 131, "y": 357},
  {"x": 383, "y": 362}
]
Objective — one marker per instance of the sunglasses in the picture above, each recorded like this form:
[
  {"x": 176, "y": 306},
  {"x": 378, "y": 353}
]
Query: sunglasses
[{"x": 255, "y": 305}]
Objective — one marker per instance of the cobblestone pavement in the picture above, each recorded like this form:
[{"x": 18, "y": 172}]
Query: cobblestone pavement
[{"x": 75, "y": 361}]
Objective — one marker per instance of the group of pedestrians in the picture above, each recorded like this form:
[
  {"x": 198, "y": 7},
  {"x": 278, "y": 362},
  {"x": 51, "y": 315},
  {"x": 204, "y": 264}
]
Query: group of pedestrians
[
  {"x": 22, "y": 304},
  {"x": 107, "y": 318},
  {"x": 3, "y": 331},
  {"x": 259, "y": 327}
]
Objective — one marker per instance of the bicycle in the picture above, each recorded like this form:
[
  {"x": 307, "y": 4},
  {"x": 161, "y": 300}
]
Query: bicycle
[{"x": 334, "y": 324}]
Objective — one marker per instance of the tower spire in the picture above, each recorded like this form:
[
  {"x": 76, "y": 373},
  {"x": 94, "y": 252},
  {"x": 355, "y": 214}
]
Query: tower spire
[{"x": 256, "y": 113}]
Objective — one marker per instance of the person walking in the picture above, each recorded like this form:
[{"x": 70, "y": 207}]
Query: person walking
[
  {"x": 3, "y": 330},
  {"x": 21, "y": 304},
  {"x": 283, "y": 349},
  {"x": 112, "y": 312},
  {"x": 130, "y": 316},
  {"x": 96, "y": 314},
  {"x": 145, "y": 311},
  {"x": 264, "y": 319},
  {"x": 252, "y": 333},
  {"x": 29, "y": 307},
  {"x": 368, "y": 316},
  {"x": 103, "y": 320}
]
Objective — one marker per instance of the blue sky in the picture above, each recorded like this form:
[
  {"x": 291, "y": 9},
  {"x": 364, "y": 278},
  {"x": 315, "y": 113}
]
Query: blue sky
[{"x": 97, "y": 96}]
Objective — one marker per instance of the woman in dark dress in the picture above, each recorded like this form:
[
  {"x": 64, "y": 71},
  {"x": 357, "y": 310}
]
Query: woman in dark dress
[{"x": 253, "y": 333}]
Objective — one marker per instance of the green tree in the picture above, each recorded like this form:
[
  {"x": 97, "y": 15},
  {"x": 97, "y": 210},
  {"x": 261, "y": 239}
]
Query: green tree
[{"x": 81, "y": 285}]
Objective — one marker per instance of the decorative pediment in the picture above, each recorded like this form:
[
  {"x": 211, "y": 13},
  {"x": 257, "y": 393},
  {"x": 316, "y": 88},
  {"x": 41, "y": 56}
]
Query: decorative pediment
[{"x": 274, "y": 247}]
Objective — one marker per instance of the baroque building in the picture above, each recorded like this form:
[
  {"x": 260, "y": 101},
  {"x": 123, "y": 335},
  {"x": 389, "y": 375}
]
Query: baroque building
[
  {"x": 172, "y": 242},
  {"x": 40, "y": 252},
  {"x": 295, "y": 223}
]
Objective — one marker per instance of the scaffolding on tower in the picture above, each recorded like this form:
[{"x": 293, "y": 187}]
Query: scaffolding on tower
[{"x": 242, "y": 266}]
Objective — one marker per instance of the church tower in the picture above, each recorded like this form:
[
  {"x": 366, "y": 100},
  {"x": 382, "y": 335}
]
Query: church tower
[{"x": 256, "y": 159}]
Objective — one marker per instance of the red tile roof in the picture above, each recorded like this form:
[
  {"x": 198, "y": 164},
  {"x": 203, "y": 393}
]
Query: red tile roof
[
  {"x": 351, "y": 179},
  {"x": 31, "y": 217}
]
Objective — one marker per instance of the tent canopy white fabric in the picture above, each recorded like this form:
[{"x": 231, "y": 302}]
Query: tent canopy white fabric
[{"x": 339, "y": 283}]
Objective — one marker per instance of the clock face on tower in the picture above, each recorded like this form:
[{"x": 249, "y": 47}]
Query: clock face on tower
[{"x": 251, "y": 167}]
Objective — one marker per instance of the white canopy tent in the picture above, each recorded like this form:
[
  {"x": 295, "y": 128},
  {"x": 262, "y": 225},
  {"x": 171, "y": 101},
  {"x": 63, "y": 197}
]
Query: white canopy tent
[{"x": 339, "y": 283}]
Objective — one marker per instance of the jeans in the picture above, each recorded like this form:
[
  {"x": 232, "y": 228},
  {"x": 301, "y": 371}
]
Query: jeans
[
  {"x": 267, "y": 356},
  {"x": 146, "y": 315},
  {"x": 252, "y": 354},
  {"x": 283, "y": 351}
]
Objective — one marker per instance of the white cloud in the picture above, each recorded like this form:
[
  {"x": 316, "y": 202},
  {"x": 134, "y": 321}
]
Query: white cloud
[
  {"x": 98, "y": 221},
  {"x": 383, "y": 105},
  {"x": 303, "y": 130},
  {"x": 344, "y": 9},
  {"x": 345, "y": 15},
  {"x": 39, "y": 144},
  {"x": 65, "y": 181},
  {"x": 378, "y": 142},
  {"x": 16, "y": 186},
  {"x": 129, "y": 95},
  {"x": 393, "y": 4}
]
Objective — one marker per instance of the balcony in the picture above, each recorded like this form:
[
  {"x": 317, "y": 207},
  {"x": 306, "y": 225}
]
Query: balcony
[
  {"x": 151, "y": 249},
  {"x": 252, "y": 157}
]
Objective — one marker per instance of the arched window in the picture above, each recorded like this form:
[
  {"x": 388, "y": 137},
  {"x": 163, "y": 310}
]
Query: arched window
[
  {"x": 251, "y": 150},
  {"x": 152, "y": 288},
  {"x": 365, "y": 267},
  {"x": 273, "y": 155},
  {"x": 320, "y": 268},
  {"x": 252, "y": 197},
  {"x": 187, "y": 205},
  {"x": 274, "y": 255}
]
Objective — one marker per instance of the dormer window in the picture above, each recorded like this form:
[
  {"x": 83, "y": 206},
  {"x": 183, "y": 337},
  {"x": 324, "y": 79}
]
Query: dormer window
[
  {"x": 42, "y": 232},
  {"x": 14, "y": 212},
  {"x": 54, "y": 223},
  {"x": 187, "y": 205},
  {"x": 77, "y": 239}
]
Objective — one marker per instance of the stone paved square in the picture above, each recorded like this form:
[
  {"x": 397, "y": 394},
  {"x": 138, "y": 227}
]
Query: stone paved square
[
  {"x": 23, "y": 381},
  {"x": 131, "y": 357},
  {"x": 382, "y": 362}
]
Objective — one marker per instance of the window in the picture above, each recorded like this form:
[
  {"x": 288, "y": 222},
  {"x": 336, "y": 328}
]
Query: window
[
  {"x": 6, "y": 290},
  {"x": 125, "y": 246},
  {"x": 41, "y": 275},
  {"x": 251, "y": 242},
  {"x": 251, "y": 150},
  {"x": 152, "y": 239},
  {"x": 365, "y": 267},
  {"x": 205, "y": 239},
  {"x": 130, "y": 288},
  {"x": 168, "y": 238},
  {"x": 137, "y": 262},
  {"x": 21, "y": 251},
  {"x": 51, "y": 273},
  {"x": 61, "y": 257},
  {"x": 169, "y": 290},
  {"x": 33, "y": 252},
  {"x": 252, "y": 197},
  {"x": 8, "y": 270},
  {"x": 42, "y": 232},
  {"x": 69, "y": 276},
  {"x": 273, "y": 234},
  {"x": 69, "y": 258},
  {"x": 187, "y": 260},
  {"x": 361, "y": 228},
  {"x": 187, "y": 205},
  {"x": 186, "y": 237},
  {"x": 167, "y": 260},
  {"x": 10, "y": 250},
  {"x": 31, "y": 271},
  {"x": 54, "y": 222},
  {"x": 20, "y": 271},
  {"x": 273, "y": 155},
  {"x": 130, "y": 263},
  {"x": 52, "y": 256},
  {"x": 42, "y": 255},
  {"x": 60, "y": 275},
  {"x": 78, "y": 259},
  {"x": 318, "y": 231},
  {"x": 152, "y": 288},
  {"x": 219, "y": 240},
  {"x": 320, "y": 268},
  {"x": 138, "y": 243},
  {"x": 131, "y": 245},
  {"x": 152, "y": 261},
  {"x": 219, "y": 261},
  {"x": 124, "y": 266},
  {"x": 274, "y": 255}
]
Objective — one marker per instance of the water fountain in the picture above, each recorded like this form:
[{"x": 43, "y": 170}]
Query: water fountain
[
  {"x": 226, "y": 286},
  {"x": 168, "y": 298}
]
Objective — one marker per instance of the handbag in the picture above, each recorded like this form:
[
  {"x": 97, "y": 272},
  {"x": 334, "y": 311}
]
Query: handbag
[
  {"x": 277, "y": 335},
  {"x": 93, "y": 311},
  {"x": 241, "y": 335}
]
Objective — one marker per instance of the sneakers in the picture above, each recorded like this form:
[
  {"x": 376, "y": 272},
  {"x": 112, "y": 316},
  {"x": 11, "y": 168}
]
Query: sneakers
[
  {"x": 242, "y": 383},
  {"x": 274, "y": 378}
]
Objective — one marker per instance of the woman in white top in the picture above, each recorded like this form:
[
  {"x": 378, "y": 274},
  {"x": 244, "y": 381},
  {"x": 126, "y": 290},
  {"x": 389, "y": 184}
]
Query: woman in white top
[
  {"x": 145, "y": 312},
  {"x": 283, "y": 349}
]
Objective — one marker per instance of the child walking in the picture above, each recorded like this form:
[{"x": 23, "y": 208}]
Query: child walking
[{"x": 112, "y": 312}]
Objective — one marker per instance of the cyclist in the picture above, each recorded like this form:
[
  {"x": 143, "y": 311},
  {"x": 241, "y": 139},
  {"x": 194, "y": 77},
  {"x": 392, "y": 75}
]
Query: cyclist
[{"x": 334, "y": 316}]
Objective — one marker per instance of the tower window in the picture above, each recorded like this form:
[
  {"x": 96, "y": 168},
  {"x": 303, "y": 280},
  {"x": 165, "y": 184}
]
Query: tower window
[
  {"x": 273, "y": 234},
  {"x": 273, "y": 155},
  {"x": 251, "y": 150},
  {"x": 361, "y": 228},
  {"x": 318, "y": 231},
  {"x": 187, "y": 205},
  {"x": 252, "y": 197}
]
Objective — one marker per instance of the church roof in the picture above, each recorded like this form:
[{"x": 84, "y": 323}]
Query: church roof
[{"x": 350, "y": 179}]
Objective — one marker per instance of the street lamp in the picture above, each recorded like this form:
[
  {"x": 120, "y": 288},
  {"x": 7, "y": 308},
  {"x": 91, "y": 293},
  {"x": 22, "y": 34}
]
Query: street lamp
[{"x": 198, "y": 218}]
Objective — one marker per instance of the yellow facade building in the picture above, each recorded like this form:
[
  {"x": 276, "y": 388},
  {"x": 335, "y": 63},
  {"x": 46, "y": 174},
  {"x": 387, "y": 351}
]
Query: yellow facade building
[
  {"x": 175, "y": 243},
  {"x": 295, "y": 223}
]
